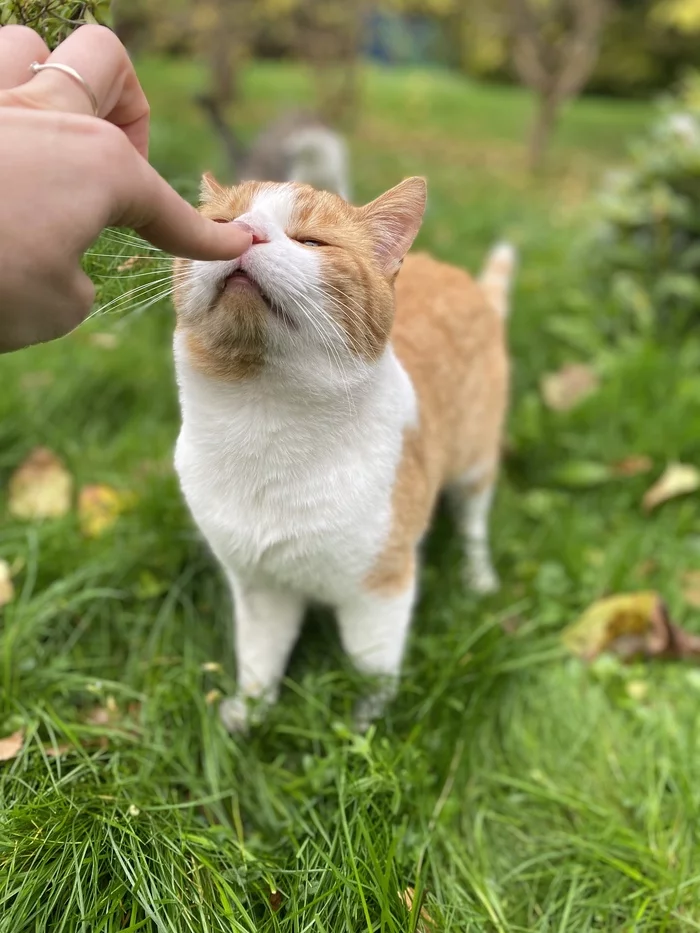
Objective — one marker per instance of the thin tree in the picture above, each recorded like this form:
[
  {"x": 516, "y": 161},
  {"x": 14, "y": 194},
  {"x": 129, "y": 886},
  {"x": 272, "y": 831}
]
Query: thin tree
[{"x": 555, "y": 46}]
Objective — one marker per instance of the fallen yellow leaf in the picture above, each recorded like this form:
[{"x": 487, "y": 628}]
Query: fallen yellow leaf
[
  {"x": 678, "y": 479},
  {"x": 10, "y": 746},
  {"x": 99, "y": 507},
  {"x": 408, "y": 896},
  {"x": 629, "y": 624},
  {"x": 7, "y": 589},
  {"x": 609, "y": 619},
  {"x": 568, "y": 386},
  {"x": 212, "y": 696},
  {"x": 41, "y": 487},
  {"x": 637, "y": 689}
]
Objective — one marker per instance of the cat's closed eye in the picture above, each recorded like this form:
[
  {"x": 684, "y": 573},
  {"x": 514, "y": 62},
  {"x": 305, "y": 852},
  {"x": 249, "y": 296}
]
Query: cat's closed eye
[{"x": 310, "y": 242}]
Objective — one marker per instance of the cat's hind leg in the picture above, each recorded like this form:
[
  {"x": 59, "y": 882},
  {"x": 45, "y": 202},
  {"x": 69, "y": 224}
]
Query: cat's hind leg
[
  {"x": 266, "y": 624},
  {"x": 472, "y": 496}
]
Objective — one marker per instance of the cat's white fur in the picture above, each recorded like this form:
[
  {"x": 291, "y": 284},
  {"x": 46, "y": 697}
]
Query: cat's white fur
[{"x": 289, "y": 476}]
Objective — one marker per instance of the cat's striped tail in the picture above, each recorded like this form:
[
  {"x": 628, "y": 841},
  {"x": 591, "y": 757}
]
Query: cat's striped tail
[{"x": 497, "y": 275}]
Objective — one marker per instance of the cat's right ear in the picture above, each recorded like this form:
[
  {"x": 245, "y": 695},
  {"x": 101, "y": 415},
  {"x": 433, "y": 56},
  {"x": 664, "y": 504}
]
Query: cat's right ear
[{"x": 209, "y": 188}]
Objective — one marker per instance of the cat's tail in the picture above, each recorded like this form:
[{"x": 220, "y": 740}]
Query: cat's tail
[{"x": 497, "y": 276}]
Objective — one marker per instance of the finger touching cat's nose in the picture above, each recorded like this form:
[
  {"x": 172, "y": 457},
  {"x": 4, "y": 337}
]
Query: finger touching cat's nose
[{"x": 258, "y": 231}]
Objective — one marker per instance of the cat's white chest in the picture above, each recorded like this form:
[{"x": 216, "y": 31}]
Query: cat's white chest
[{"x": 293, "y": 496}]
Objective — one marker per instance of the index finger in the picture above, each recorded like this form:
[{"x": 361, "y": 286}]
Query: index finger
[{"x": 102, "y": 61}]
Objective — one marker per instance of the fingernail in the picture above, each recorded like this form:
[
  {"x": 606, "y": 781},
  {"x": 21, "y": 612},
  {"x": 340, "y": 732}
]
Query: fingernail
[{"x": 243, "y": 226}]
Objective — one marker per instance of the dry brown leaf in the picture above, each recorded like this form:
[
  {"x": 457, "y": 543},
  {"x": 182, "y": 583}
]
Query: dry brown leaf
[
  {"x": 104, "y": 341},
  {"x": 99, "y": 507},
  {"x": 678, "y": 479},
  {"x": 633, "y": 466},
  {"x": 629, "y": 624},
  {"x": 568, "y": 386},
  {"x": 275, "y": 900},
  {"x": 130, "y": 263},
  {"x": 408, "y": 896},
  {"x": 11, "y": 745},
  {"x": 41, "y": 487},
  {"x": 7, "y": 588}
]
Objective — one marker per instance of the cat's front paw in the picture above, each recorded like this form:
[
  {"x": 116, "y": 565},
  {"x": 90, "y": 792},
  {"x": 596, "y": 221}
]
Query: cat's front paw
[
  {"x": 238, "y": 713},
  {"x": 371, "y": 707},
  {"x": 234, "y": 713}
]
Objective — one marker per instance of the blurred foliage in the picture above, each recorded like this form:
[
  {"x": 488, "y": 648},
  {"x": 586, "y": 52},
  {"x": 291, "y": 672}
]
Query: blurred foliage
[
  {"x": 683, "y": 15},
  {"x": 53, "y": 19},
  {"x": 646, "y": 43},
  {"x": 646, "y": 238}
]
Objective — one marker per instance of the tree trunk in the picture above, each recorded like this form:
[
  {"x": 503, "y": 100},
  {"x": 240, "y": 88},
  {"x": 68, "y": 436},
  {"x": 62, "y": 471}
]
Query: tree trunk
[{"x": 542, "y": 128}]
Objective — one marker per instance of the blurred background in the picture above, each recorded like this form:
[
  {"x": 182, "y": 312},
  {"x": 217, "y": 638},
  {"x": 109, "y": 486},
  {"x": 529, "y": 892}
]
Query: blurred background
[{"x": 571, "y": 791}]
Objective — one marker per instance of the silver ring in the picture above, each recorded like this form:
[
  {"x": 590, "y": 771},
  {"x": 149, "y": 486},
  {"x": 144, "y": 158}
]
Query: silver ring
[{"x": 35, "y": 67}]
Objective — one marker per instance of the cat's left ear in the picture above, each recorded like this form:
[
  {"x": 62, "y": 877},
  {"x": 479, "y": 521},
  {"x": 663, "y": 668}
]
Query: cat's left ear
[
  {"x": 394, "y": 219},
  {"x": 209, "y": 188}
]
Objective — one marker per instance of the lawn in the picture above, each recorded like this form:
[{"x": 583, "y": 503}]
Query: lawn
[{"x": 510, "y": 787}]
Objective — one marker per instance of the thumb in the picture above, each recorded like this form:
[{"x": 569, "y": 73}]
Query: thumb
[{"x": 156, "y": 211}]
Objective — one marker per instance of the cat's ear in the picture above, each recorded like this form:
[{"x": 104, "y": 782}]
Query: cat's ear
[
  {"x": 394, "y": 219},
  {"x": 209, "y": 188}
]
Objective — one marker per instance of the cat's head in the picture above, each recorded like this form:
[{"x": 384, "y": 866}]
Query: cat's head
[{"x": 314, "y": 288}]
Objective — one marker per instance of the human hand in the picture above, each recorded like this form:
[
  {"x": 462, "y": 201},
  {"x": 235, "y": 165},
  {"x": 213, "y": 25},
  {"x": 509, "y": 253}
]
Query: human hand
[{"x": 65, "y": 176}]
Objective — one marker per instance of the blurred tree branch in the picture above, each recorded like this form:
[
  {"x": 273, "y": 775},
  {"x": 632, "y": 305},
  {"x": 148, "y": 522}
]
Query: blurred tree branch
[{"x": 555, "y": 46}]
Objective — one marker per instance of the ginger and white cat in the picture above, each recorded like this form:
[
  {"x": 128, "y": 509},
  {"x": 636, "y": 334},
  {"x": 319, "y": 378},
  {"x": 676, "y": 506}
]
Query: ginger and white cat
[{"x": 327, "y": 400}]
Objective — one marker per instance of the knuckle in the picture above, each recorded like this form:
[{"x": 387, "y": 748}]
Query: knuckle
[{"x": 107, "y": 141}]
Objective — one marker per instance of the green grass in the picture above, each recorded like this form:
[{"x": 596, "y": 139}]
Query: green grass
[{"x": 512, "y": 787}]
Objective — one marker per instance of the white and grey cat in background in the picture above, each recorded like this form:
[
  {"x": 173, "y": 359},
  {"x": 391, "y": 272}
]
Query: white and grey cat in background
[{"x": 296, "y": 146}]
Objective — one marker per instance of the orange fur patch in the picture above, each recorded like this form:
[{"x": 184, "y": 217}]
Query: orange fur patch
[{"x": 452, "y": 344}]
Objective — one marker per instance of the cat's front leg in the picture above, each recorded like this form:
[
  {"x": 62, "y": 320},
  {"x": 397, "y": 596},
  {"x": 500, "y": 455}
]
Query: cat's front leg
[
  {"x": 373, "y": 630},
  {"x": 266, "y": 625}
]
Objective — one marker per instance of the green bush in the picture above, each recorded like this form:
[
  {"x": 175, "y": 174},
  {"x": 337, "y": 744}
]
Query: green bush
[
  {"x": 54, "y": 20},
  {"x": 646, "y": 238}
]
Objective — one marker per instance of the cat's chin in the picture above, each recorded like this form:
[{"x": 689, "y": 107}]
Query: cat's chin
[{"x": 239, "y": 287}]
